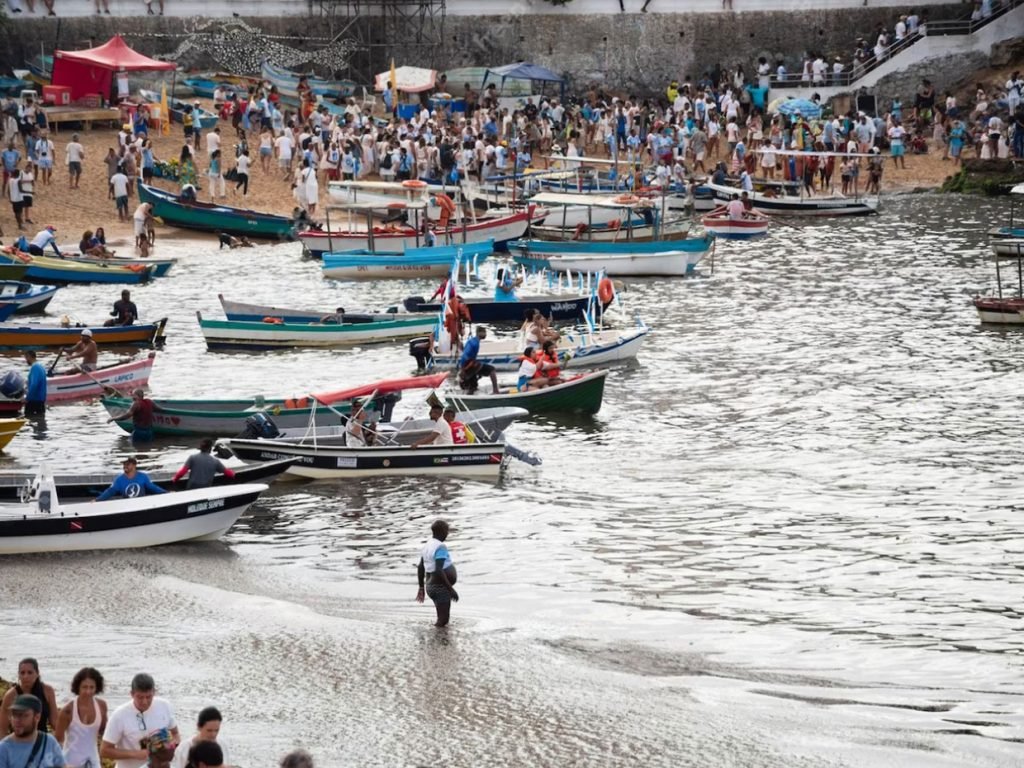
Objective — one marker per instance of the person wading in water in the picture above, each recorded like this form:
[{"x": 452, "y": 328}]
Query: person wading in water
[{"x": 436, "y": 573}]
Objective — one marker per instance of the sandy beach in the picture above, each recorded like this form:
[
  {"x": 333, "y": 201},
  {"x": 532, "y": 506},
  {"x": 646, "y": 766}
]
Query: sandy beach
[{"x": 74, "y": 211}]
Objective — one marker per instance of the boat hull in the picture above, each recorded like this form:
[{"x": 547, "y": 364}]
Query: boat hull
[
  {"x": 487, "y": 311},
  {"x": 580, "y": 394},
  {"x": 9, "y": 428},
  {"x": 254, "y": 313},
  {"x": 147, "y": 521},
  {"x": 793, "y": 205},
  {"x": 1008, "y": 246},
  {"x": 27, "y": 297},
  {"x": 230, "y": 334},
  {"x": 1000, "y": 311},
  {"x": 603, "y": 348},
  {"x": 64, "y": 388},
  {"x": 37, "y": 336},
  {"x": 50, "y": 271},
  {"x": 735, "y": 229},
  {"x": 412, "y": 263},
  {"x": 216, "y": 218}
]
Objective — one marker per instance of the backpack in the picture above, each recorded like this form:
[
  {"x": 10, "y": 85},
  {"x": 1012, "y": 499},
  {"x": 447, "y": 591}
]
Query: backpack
[{"x": 385, "y": 162}]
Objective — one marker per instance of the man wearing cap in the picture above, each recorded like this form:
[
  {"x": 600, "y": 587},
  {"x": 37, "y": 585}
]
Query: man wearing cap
[
  {"x": 27, "y": 746},
  {"x": 85, "y": 349},
  {"x": 135, "y": 723},
  {"x": 42, "y": 239},
  {"x": 130, "y": 484}
]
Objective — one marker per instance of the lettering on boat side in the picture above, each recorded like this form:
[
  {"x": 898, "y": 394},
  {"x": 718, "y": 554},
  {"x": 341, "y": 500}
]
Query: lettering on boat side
[
  {"x": 204, "y": 506},
  {"x": 347, "y": 461},
  {"x": 562, "y": 307},
  {"x": 124, "y": 377},
  {"x": 272, "y": 456},
  {"x": 440, "y": 459},
  {"x": 472, "y": 458}
]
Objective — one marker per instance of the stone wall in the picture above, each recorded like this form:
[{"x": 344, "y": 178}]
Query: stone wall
[
  {"x": 944, "y": 73},
  {"x": 635, "y": 53}
]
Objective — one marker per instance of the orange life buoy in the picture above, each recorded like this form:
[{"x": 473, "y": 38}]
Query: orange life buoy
[
  {"x": 414, "y": 184},
  {"x": 274, "y": 320},
  {"x": 296, "y": 402},
  {"x": 447, "y": 206},
  {"x": 139, "y": 268},
  {"x": 606, "y": 290},
  {"x": 627, "y": 199}
]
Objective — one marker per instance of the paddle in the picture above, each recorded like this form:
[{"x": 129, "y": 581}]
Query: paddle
[
  {"x": 53, "y": 365},
  {"x": 106, "y": 388}
]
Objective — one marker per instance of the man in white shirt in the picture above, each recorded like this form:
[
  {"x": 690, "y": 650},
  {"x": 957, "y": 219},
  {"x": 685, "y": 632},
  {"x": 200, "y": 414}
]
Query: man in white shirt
[
  {"x": 130, "y": 726},
  {"x": 901, "y": 28},
  {"x": 818, "y": 69},
  {"x": 735, "y": 208},
  {"x": 212, "y": 142},
  {"x": 119, "y": 183},
  {"x": 441, "y": 434},
  {"x": 283, "y": 144},
  {"x": 75, "y": 155}
]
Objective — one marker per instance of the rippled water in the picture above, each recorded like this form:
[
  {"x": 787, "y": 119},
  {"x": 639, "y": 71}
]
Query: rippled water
[{"x": 791, "y": 536}]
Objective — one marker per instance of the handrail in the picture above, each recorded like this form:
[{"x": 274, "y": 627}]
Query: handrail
[{"x": 930, "y": 29}]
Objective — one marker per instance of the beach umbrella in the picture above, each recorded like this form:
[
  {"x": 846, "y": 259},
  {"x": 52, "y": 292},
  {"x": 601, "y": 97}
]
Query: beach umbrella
[
  {"x": 407, "y": 79},
  {"x": 805, "y": 107}
]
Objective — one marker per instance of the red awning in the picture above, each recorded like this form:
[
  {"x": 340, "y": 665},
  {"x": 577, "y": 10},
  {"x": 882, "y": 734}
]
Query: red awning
[
  {"x": 381, "y": 388},
  {"x": 92, "y": 70}
]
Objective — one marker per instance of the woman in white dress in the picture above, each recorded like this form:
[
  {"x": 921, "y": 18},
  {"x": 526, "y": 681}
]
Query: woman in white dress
[{"x": 82, "y": 720}]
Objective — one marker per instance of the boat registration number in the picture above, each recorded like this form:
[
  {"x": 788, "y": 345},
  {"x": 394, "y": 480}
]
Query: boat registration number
[
  {"x": 205, "y": 506},
  {"x": 348, "y": 462}
]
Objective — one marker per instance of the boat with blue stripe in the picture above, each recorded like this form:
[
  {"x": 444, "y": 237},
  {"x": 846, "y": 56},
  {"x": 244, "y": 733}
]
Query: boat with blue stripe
[{"x": 437, "y": 261}]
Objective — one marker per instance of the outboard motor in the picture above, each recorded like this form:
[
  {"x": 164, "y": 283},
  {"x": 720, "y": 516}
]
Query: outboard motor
[
  {"x": 12, "y": 385},
  {"x": 421, "y": 349},
  {"x": 259, "y": 425},
  {"x": 413, "y": 302}
]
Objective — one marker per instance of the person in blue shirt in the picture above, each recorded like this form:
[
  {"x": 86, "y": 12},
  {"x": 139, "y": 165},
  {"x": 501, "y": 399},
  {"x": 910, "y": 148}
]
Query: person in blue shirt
[
  {"x": 436, "y": 574},
  {"x": 131, "y": 483},
  {"x": 505, "y": 290},
  {"x": 472, "y": 370},
  {"x": 35, "y": 396},
  {"x": 43, "y": 238},
  {"x": 27, "y": 746}
]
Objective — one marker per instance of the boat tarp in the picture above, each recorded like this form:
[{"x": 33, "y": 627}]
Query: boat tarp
[
  {"x": 525, "y": 71},
  {"x": 92, "y": 70},
  {"x": 383, "y": 387}
]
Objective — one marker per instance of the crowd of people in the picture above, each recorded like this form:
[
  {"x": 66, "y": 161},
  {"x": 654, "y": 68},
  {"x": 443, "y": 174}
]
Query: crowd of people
[{"x": 142, "y": 732}]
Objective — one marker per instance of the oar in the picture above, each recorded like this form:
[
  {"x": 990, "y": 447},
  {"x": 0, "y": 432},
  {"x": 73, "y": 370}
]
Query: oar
[
  {"x": 54, "y": 363},
  {"x": 105, "y": 387}
]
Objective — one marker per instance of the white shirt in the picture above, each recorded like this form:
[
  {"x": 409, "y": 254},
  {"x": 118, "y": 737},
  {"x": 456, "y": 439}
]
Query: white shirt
[
  {"x": 141, "y": 211},
  {"x": 735, "y": 209},
  {"x": 212, "y": 142},
  {"x": 75, "y": 152},
  {"x": 443, "y": 430},
  {"x": 124, "y": 727},
  {"x": 120, "y": 183},
  {"x": 242, "y": 164},
  {"x": 284, "y": 147}
]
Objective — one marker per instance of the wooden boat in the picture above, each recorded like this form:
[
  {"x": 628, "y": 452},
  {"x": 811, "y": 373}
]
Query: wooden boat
[
  {"x": 123, "y": 377},
  {"x": 46, "y": 524},
  {"x": 287, "y": 83},
  {"x": 656, "y": 258},
  {"x": 578, "y": 349},
  {"x": 718, "y": 223},
  {"x": 204, "y": 118},
  {"x": 240, "y": 310},
  {"x": 26, "y": 297},
  {"x": 484, "y": 309},
  {"x": 12, "y": 271},
  {"x": 35, "y": 335},
  {"x": 16, "y": 486},
  {"x": 1009, "y": 240},
  {"x": 160, "y": 267},
  {"x": 1008, "y": 246},
  {"x": 204, "y": 87},
  {"x": 48, "y": 270},
  {"x": 397, "y": 239},
  {"x": 207, "y": 217},
  {"x": 793, "y": 204},
  {"x": 412, "y": 263},
  {"x": 8, "y": 429},
  {"x": 577, "y": 394},
  {"x": 232, "y": 334}
]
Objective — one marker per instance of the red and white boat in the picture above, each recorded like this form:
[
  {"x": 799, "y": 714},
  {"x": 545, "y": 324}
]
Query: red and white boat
[
  {"x": 391, "y": 238},
  {"x": 123, "y": 377},
  {"x": 718, "y": 223}
]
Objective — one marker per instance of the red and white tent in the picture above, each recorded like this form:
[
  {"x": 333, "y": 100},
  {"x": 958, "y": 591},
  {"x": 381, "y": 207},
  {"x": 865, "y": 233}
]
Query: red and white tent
[{"x": 93, "y": 70}]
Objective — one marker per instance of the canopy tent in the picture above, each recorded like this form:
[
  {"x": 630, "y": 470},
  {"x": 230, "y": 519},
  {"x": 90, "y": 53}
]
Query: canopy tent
[
  {"x": 92, "y": 70},
  {"x": 791, "y": 106},
  {"x": 525, "y": 71},
  {"x": 407, "y": 79}
]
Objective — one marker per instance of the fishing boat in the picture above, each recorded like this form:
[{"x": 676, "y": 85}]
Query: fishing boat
[
  {"x": 410, "y": 263},
  {"x": 204, "y": 118},
  {"x": 484, "y": 309},
  {"x": 80, "y": 385},
  {"x": 578, "y": 349},
  {"x": 233, "y": 334},
  {"x": 1009, "y": 240},
  {"x": 287, "y": 84},
  {"x": 26, "y": 297},
  {"x": 8, "y": 429},
  {"x": 46, "y": 524},
  {"x": 40, "y": 69},
  {"x": 17, "y": 486},
  {"x": 719, "y": 224},
  {"x": 7, "y": 310},
  {"x": 625, "y": 259},
  {"x": 397, "y": 238},
  {"x": 240, "y": 310},
  {"x": 582, "y": 393},
  {"x": 160, "y": 267},
  {"x": 792, "y": 203},
  {"x": 207, "y": 217},
  {"x": 37, "y": 335},
  {"x": 204, "y": 87},
  {"x": 49, "y": 270}
]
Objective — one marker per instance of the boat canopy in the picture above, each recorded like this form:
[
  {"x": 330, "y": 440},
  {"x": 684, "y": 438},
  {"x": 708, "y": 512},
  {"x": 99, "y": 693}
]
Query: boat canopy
[
  {"x": 382, "y": 387},
  {"x": 594, "y": 201}
]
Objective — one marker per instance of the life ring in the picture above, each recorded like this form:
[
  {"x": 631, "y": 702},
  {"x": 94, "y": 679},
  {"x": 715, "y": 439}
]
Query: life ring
[
  {"x": 137, "y": 268},
  {"x": 606, "y": 291},
  {"x": 296, "y": 402},
  {"x": 627, "y": 199},
  {"x": 447, "y": 206},
  {"x": 274, "y": 320},
  {"x": 414, "y": 184}
]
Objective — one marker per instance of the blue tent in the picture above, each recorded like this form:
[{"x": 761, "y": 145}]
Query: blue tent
[
  {"x": 805, "y": 107},
  {"x": 526, "y": 71}
]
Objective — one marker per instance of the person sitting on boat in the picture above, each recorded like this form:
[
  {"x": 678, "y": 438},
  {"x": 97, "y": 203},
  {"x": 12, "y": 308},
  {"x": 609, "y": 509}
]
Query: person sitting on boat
[
  {"x": 336, "y": 317},
  {"x": 141, "y": 414},
  {"x": 472, "y": 370},
  {"x": 460, "y": 432},
  {"x": 90, "y": 245},
  {"x": 549, "y": 364},
  {"x": 131, "y": 483},
  {"x": 440, "y": 433},
  {"x": 536, "y": 329},
  {"x": 202, "y": 467},
  {"x": 43, "y": 238},
  {"x": 718, "y": 177},
  {"x": 188, "y": 193},
  {"x": 530, "y": 374},
  {"x": 505, "y": 290},
  {"x": 358, "y": 433},
  {"x": 85, "y": 349},
  {"x": 429, "y": 237},
  {"x": 124, "y": 312},
  {"x": 735, "y": 208},
  {"x": 748, "y": 204}
]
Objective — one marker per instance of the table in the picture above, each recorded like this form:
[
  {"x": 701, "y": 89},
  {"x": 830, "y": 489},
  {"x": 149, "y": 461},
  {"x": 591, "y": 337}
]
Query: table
[{"x": 86, "y": 115}]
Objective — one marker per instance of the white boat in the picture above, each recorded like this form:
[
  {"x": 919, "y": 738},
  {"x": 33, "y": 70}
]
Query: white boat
[
  {"x": 386, "y": 193},
  {"x": 1007, "y": 246},
  {"x": 44, "y": 524},
  {"x": 123, "y": 377},
  {"x": 719, "y": 224},
  {"x": 580, "y": 349},
  {"x": 797, "y": 205}
]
